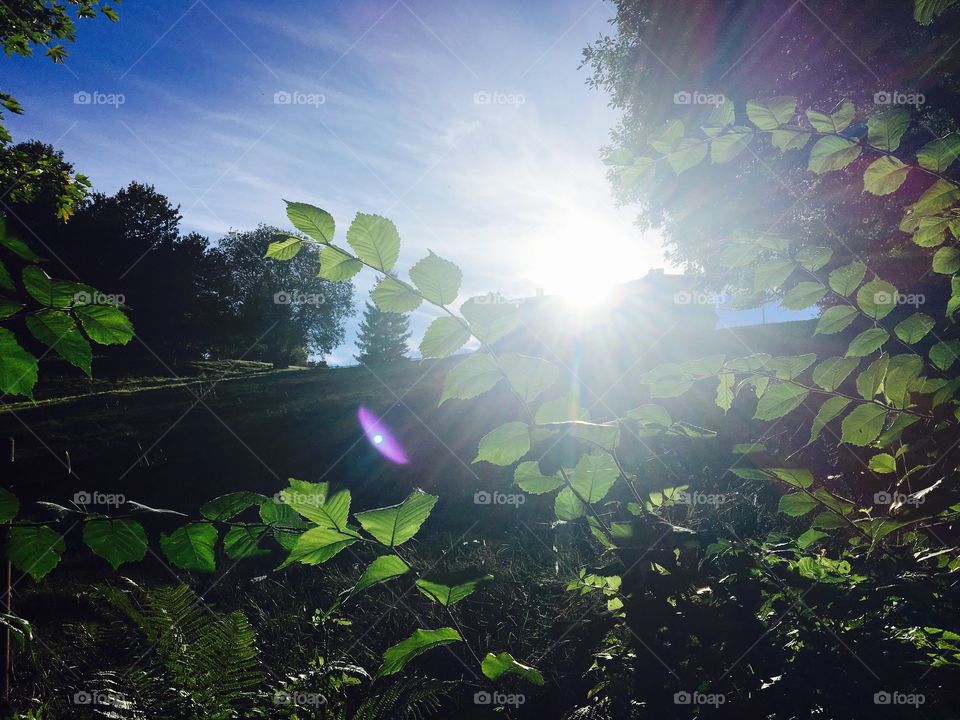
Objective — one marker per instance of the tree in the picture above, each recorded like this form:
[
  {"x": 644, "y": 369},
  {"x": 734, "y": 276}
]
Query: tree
[
  {"x": 383, "y": 336},
  {"x": 276, "y": 312}
]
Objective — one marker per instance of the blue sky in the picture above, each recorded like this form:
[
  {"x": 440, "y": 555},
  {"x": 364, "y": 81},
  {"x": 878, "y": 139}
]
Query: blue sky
[{"x": 468, "y": 124}]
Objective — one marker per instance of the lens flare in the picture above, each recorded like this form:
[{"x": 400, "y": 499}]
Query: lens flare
[{"x": 381, "y": 438}]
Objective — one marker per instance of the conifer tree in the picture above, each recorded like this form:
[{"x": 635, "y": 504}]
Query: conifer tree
[{"x": 383, "y": 336}]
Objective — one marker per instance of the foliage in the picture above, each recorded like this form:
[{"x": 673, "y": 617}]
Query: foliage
[{"x": 383, "y": 336}]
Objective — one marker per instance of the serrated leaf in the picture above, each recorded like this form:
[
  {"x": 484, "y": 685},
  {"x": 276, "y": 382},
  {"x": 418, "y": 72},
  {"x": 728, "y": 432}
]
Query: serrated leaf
[
  {"x": 319, "y": 502},
  {"x": 505, "y": 444},
  {"x": 651, "y": 414},
  {"x": 688, "y": 153},
  {"x": 791, "y": 367},
  {"x": 943, "y": 354},
  {"x": 35, "y": 549},
  {"x": 796, "y": 505},
  {"x": 809, "y": 537},
  {"x": 312, "y": 221},
  {"x": 473, "y": 376},
  {"x": 375, "y": 241},
  {"x": 813, "y": 258},
  {"x": 725, "y": 391},
  {"x": 863, "y": 425},
  {"x": 828, "y": 411},
  {"x": 490, "y": 320},
  {"x": 844, "y": 280},
  {"x": 394, "y": 525},
  {"x": 317, "y": 545},
  {"x": 772, "y": 113},
  {"x": 561, "y": 409},
  {"x": 9, "y": 506},
  {"x": 382, "y": 569},
  {"x": 885, "y": 129},
  {"x": 105, "y": 324},
  {"x": 914, "y": 328},
  {"x": 18, "y": 247},
  {"x": 393, "y": 296},
  {"x": 867, "y": 342},
  {"x": 450, "y": 589},
  {"x": 835, "y": 319},
  {"x": 337, "y": 265},
  {"x": 528, "y": 478},
  {"x": 444, "y": 336},
  {"x": 438, "y": 280},
  {"x": 780, "y": 400},
  {"x": 835, "y": 122},
  {"x": 832, "y": 153},
  {"x": 882, "y": 463},
  {"x": 884, "y": 175},
  {"x": 871, "y": 380},
  {"x": 831, "y": 373},
  {"x": 771, "y": 274},
  {"x": 226, "y": 507},
  {"x": 191, "y": 547},
  {"x": 116, "y": 540},
  {"x": 902, "y": 378},
  {"x": 243, "y": 541},
  {"x": 666, "y": 137},
  {"x": 930, "y": 231},
  {"x": 397, "y": 657},
  {"x": 803, "y": 295},
  {"x": 789, "y": 138},
  {"x": 939, "y": 154},
  {"x": 795, "y": 477},
  {"x": 528, "y": 376},
  {"x": 593, "y": 477},
  {"x": 725, "y": 147},
  {"x": 946, "y": 260},
  {"x": 18, "y": 368},
  {"x": 877, "y": 298},
  {"x": 59, "y": 331},
  {"x": 567, "y": 506},
  {"x": 496, "y": 666},
  {"x": 285, "y": 249}
]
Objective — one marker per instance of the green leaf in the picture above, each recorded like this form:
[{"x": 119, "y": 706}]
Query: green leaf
[
  {"x": 926, "y": 11},
  {"x": 505, "y": 444},
  {"x": 6, "y": 280},
  {"x": 771, "y": 274},
  {"x": 19, "y": 248},
  {"x": 937, "y": 197},
  {"x": 496, "y": 666},
  {"x": 831, "y": 373},
  {"x": 9, "y": 506},
  {"x": 882, "y": 463},
  {"x": 720, "y": 117},
  {"x": 871, "y": 380},
  {"x": 490, "y": 320},
  {"x": 796, "y": 505},
  {"x": 914, "y": 328},
  {"x": 105, "y": 324},
  {"x": 813, "y": 258},
  {"x": 375, "y": 241},
  {"x": 828, "y": 521},
  {"x": 946, "y": 261},
  {"x": 382, "y": 569},
  {"x": 795, "y": 477},
  {"x": 725, "y": 391},
  {"x": 704, "y": 367},
  {"x": 59, "y": 331},
  {"x": 651, "y": 414},
  {"x": 394, "y": 525},
  {"x": 397, "y": 657},
  {"x": 771, "y": 114},
  {"x": 475, "y": 375},
  {"x": 337, "y": 265},
  {"x": 943, "y": 354},
  {"x": 877, "y": 299},
  {"x": 317, "y": 545},
  {"x": 789, "y": 138},
  {"x": 803, "y": 295},
  {"x": 18, "y": 368},
  {"x": 725, "y": 147},
  {"x": 884, "y": 175},
  {"x": 561, "y": 409},
  {"x": 832, "y": 153},
  {"x": 47, "y": 291},
  {"x": 451, "y": 589},
  {"x": 528, "y": 376},
  {"x": 391, "y": 295},
  {"x": 780, "y": 400},
  {"x": 863, "y": 425},
  {"x": 567, "y": 506},
  {"x": 438, "y": 280},
  {"x": 809, "y": 537},
  {"x": 791, "y": 367},
  {"x": 35, "y": 549},
  {"x": 191, "y": 547},
  {"x": 739, "y": 254},
  {"x": 689, "y": 153},
  {"x": 885, "y": 129},
  {"x": 528, "y": 478},
  {"x": 311, "y": 221},
  {"x": 443, "y": 337},
  {"x": 902, "y": 377},
  {"x": 242, "y": 541},
  {"x": 666, "y": 137},
  {"x": 835, "y": 319},
  {"x": 844, "y": 280},
  {"x": 226, "y": 507},
  {"x": 319, "y": 503},
  {"x": 939, "y": 154},
  {"x": 594, "y": 476},
  {"x": 931, "y": 231},
  {"x": 828, "y": 411},
  {"x": 116, "y": 540},
  {"x": 285, "y": 249},
  {"x": 867, "y": 342},
  {"x": 835, "y": 122}
]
